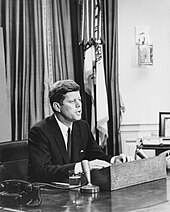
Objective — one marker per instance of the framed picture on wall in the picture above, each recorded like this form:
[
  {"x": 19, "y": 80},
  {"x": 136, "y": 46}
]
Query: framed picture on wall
[
  {"x": 164, "y": 124},
  {"x": 167, "y": 127}
]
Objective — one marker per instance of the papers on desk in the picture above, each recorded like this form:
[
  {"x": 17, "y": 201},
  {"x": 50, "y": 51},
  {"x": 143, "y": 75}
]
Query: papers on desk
[
  {"x": 151, "y": 141},
  {"x": 156, "y": 140},
  {"x": 165, "y": 140}
]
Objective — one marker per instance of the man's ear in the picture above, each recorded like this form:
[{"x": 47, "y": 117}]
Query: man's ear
[{"x": 56, "y": 106}]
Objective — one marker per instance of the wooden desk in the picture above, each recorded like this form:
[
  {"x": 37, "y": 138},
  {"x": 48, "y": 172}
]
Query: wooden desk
[{"x": 152, "y": 196}]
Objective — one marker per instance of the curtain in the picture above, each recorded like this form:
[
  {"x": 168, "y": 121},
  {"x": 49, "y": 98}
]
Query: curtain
[
  {"x": 110, "y": 47},
  {"x": 112, "y": 76},
  {"x": 41, "y": 42},
  {"x": 78, "y": 52},
  {"x": 38, "y": 51}
]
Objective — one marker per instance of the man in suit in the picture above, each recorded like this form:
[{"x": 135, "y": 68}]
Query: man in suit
[{"x": 50, "y": 157}]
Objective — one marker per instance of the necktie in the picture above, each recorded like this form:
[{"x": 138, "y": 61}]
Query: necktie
[{"x": 69, "y": 143}]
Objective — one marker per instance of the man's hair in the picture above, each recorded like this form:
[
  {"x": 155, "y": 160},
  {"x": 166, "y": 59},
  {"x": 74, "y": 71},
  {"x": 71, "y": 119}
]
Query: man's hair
[{"x": 60, "y": 88}]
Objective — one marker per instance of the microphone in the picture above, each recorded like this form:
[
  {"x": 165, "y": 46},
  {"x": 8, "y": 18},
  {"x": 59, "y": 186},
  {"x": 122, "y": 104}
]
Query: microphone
[{"x": 89, "y": 188}]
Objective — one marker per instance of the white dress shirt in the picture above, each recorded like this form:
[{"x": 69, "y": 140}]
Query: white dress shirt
[{"x": 64, "y": 130}]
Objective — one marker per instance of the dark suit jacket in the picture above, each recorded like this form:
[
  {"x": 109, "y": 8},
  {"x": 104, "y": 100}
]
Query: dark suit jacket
[{"x": 48, "y": 159}]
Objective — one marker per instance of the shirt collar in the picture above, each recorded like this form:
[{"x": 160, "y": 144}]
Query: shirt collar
[{"x": 62, "y": 126}]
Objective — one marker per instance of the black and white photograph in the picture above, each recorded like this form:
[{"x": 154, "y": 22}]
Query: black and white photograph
[{"x": 84, "y": 105}]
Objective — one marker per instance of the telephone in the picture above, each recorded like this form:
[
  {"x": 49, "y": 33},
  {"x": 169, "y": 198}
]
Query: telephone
[{"x": 19, "y": 193}]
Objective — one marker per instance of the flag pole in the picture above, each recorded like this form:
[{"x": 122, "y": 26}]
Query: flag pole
[
  {"x": 94, "y": 76},
  {"x": 94, "y": 86}
]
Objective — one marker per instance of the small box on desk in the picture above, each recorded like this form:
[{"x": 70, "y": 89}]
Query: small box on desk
[{"x": 128, "y": 174}]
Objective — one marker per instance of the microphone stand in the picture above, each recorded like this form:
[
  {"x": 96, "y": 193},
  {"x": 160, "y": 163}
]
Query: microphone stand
[{"x": 89, "y": 188}]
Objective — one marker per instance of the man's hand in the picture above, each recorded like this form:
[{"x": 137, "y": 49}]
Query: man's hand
[
  {"x": 98, "y": 164},
  {"x": 122, "y": 158}
]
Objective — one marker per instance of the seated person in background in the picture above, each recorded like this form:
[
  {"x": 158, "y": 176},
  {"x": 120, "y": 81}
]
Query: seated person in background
[{"x": 48, "y": 153}]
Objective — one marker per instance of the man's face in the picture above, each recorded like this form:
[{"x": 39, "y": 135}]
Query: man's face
[{"x": 71, "y": 108}]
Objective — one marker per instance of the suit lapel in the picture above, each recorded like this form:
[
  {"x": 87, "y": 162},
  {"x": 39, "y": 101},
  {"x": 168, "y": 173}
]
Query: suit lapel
[{"x": 59, "y": 140}]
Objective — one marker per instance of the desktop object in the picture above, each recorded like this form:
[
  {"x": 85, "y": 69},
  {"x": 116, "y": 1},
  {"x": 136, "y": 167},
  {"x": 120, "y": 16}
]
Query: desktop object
[
  {"x": 119, "y": 176},
  {"x": 105, "y": 179}
]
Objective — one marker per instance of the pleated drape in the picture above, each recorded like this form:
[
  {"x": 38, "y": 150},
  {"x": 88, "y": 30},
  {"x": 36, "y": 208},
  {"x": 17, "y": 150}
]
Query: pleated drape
[
  {"x": 112, "y": 74},
  {"x": 41, "y": 43},
  {"x": 38, "y": 51}
]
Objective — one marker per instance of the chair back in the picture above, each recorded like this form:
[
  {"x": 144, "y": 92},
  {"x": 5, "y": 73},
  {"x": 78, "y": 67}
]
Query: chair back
[{"x": 14, "y": 160}]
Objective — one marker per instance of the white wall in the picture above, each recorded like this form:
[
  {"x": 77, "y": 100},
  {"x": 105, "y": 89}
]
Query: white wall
[{"x": 145, "y": 91}]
